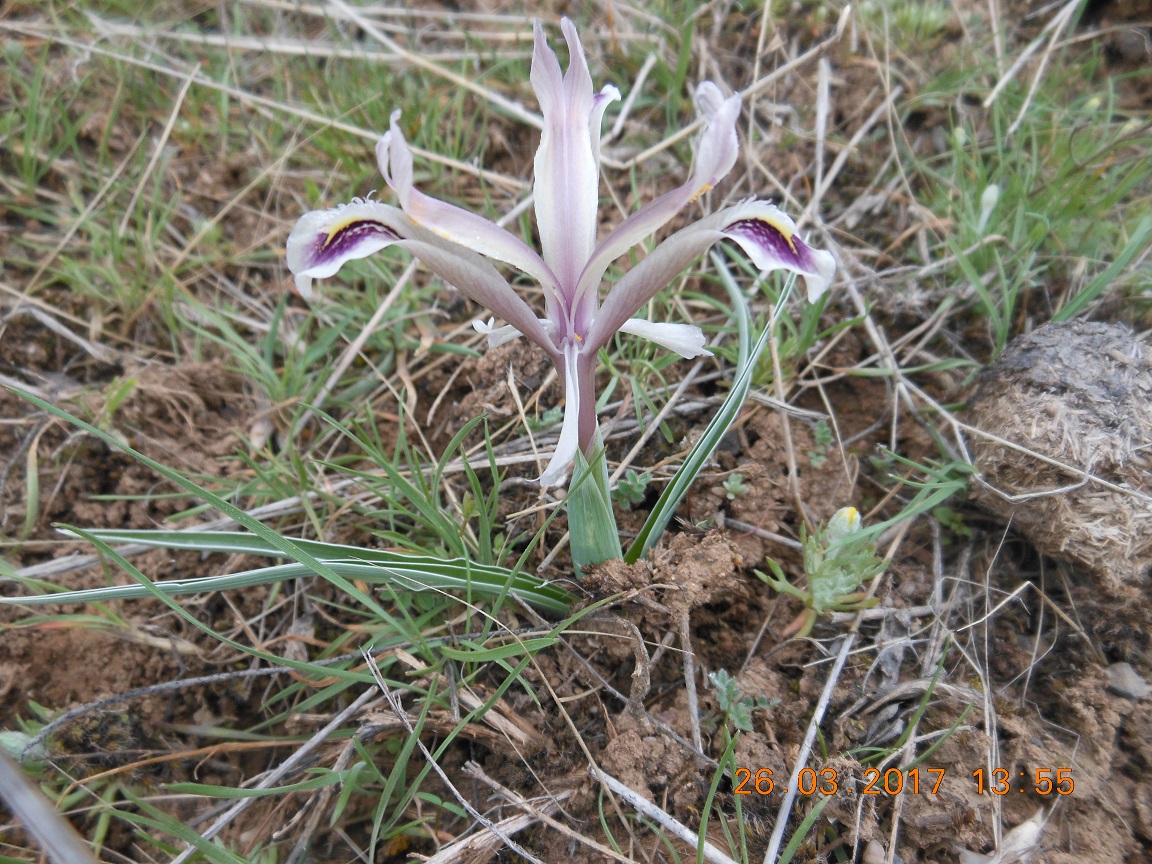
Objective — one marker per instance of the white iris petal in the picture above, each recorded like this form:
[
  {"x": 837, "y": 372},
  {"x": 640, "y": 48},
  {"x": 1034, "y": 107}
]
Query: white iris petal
[{"x": 687, "y": 340}]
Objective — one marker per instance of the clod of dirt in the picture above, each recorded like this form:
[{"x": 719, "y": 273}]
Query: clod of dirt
[
  {"x": 692, "y": 570},
  {"x": 1080, "y": 394}
]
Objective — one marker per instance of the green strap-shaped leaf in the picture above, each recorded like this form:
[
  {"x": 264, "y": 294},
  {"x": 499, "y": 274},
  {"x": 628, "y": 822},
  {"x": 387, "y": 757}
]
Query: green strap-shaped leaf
[
  {"x": 747, "y": 358},
  {"x": 375, "y": 566},
  {"x": 592, "y": 532}
]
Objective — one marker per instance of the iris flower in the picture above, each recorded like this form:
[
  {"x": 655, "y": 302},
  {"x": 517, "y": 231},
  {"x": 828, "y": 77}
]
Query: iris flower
[{"x": 458, "y": 246}]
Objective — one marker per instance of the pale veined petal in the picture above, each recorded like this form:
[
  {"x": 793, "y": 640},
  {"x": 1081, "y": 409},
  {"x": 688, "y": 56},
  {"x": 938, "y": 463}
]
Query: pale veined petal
[
  {"x": 474, "y": 276},
  {"x": 449, "y": 221},
  {"x": 762, "y": 230},
  {"x": 569, "y": 441},
  {"x": 716, "y": 152},
  {"x": 324, "y": 240},
  {"x": 567, "y": 174},
  {"x": 717, "y": 147},
  {"x": 687, "y": 340}
]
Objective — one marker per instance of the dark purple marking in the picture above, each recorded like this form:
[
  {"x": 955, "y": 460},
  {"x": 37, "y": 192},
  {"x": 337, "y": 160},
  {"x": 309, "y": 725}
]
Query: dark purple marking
[
  {"x": 766, "y": 235},
  {"x": 328, "y": 247}
]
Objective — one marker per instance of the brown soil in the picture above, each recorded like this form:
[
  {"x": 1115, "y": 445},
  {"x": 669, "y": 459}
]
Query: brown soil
[{"x": 1051, "y": 706}]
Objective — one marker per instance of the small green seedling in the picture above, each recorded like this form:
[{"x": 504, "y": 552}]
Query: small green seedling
[
  {"x": 115, "y": 395},
  {"x": 821, "y": 441},
  {"x": 737, "y": 707},
  {"x": 547, "y": 420},
  {"x": 735, "y": 486},
  {"x": 631, "y": 488},
  {"x": 838, "y": 559}
]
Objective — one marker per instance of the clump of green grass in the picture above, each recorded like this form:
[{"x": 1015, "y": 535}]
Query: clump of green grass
[{"x": 1042, "y": 197}]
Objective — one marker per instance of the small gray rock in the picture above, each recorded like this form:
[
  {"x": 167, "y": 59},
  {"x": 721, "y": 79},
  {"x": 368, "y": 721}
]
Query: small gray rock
[{"x": 1123, "y": 681}]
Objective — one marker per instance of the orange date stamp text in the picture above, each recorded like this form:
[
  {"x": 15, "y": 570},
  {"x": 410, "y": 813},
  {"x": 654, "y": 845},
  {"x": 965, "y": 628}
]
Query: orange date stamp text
[
  {"x": 826, "y": 781},
  {"x": 903, "y": 781}
]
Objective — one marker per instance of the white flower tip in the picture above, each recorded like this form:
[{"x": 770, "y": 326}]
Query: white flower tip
[
  {"x": 384, "y": 145},
  {"x": 303, "y": 284},
  {"x": 497, "y": 336},
  {"x": 819, "y": 282},
  {"x": 540, "y": 49},
  {"x": 395, "y": 160},
  {"x": 554, "y": 475},
  {"x": 710, "y": 102},
  {"x": 690, "y": 348},
  {"x": 717, "y": 146},
  {"x": 708, "y": 98}
]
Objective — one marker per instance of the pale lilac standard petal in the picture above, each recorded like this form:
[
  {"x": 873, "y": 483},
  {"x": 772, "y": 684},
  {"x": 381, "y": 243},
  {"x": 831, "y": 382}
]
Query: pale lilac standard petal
[
  {"x": 567, "y": 176},
  {"x": 324, "y": 240},
  {"x": 716, "y": 152},
  {"x": 546, "y": 76},
  {"x": 578, "y": 78},
  {"x": 762, "y": 230},
  {"x": 449, "y": 221},
  {"x": 687, "y": 340},
  {"x": 769, "y": 237},
  {"x": 569, "y": 441}
]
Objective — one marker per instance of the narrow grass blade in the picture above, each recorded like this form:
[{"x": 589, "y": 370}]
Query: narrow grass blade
[
  {"x": 790, "y": 850},
  {"x": 943, "y": 482},
  {"x": 208, "y": 790},
  {"x": 151, "y": 819},
  {"x": 284, "y": 544},
  {"x": 52, "y": 831},
  {"x": 502, "y": 652},
  {"x": 32, "y": 491},
  {"x": 399, "y": 570},
  {"x": 747, "y": 358},
  {"x": 1137, "y": 245}
]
